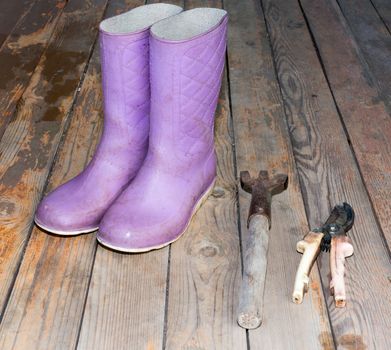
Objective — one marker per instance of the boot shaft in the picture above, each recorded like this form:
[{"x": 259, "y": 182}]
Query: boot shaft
[
  {"x": 186, "y": 66},
  {"x": 124, "y": 51},
  {"x": 125, "y": 75}
]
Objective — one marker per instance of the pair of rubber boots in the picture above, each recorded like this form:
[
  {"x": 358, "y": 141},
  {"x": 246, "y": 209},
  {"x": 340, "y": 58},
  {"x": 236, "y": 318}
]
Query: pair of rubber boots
[{"x": 155, "y": 163}]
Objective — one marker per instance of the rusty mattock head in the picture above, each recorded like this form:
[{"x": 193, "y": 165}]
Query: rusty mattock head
[{"x": 262, "y": 189}]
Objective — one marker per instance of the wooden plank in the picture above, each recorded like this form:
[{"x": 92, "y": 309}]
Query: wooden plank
[
  {"x": 22, "y": 51},
  {"x": 383, "y": 9},
  {"x": 374, "y": 40},
  {"x": 365, "y": 116},
  {"x": 262, "y": 142},
  {"x": 329, "y": 175},
  {"x": 31, "y": 139},
  {"x": 126, "y": 301},
  {"x": 173, "y": 2},
  {"x": 125, "y": 307},
  {"x": 10, "y": 13},
  {"x": 55, "y": 271},
  {"x": 205, "y": 262}
]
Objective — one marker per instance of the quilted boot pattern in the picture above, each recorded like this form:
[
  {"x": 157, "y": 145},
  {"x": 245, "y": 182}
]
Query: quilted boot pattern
[
  {"x": 180, "y": 167},
  {"x": 78, "y": 205}
]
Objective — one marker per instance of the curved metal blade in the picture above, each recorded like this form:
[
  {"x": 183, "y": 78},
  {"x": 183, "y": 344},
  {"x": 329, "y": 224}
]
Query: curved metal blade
[
  {"x": 339, "y": 222},
  {"x": 342, "y": 215}
]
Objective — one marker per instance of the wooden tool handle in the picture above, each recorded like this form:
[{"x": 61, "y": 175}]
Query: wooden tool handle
[
  {"x": 254, "y": 273},
  {"x": 309, "y": 247},
  {"x": 341, "y": 248}
]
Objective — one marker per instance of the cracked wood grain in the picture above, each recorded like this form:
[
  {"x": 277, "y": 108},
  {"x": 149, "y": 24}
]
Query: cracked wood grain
[
  {"x": 330, "y": 175},
  {"x": 262, "y": 142},
  {"x": 21, "y": 53},
  {"x": 125, "y": 306},
  {"x": 363, "y": 111},
  {"x": 205, "y": 262},
  {"x": 47, "y": 302},
  {"x": 30, "y": 140},
  {"x": 374, "y": 40}
]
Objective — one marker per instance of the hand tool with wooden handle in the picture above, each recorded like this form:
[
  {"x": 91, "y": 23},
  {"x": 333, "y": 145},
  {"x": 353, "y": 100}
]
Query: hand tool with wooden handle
[
  {"x": 329, "y": 237},
  {"x": 262, "y": 189}
]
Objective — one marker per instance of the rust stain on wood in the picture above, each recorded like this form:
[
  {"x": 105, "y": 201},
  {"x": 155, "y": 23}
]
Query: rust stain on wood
[
  {"x": 209, "y": 258},
  {"x": 324, "y": 339},
  {"x": 328, "y": 171},
  {"x": 21, "y": 52},
  {"x": 29, "y": 141},
  {"x": 39, "y": 37},
  {"x": 150, "y": 345},
  {"x": 351, "y": 342},
  {"x": 317, "y": 295}
]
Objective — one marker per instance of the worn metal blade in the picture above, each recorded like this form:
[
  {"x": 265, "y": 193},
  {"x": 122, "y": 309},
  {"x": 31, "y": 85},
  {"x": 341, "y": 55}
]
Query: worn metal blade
[
  {"x": 342, "y": 215},
  {"x": 339, "y": 222}
]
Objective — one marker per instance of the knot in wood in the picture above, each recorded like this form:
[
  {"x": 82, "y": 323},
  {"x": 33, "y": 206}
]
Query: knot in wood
[
  {"x": 218, "y": 192},
  {"x": 208, "y": 251}
]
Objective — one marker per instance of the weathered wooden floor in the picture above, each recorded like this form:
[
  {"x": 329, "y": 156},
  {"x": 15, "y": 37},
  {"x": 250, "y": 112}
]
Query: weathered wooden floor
[{"x": 307, "y": 91}]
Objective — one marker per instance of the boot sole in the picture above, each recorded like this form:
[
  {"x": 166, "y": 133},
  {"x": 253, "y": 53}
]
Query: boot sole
[
  {"x": 198, "y": 205},
  {"x": 64, "y": 233}
]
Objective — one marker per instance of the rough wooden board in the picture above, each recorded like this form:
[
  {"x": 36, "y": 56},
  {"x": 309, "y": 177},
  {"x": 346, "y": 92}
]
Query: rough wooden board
[
  {"x": 72, "y": 251},
  {"x": 191, "y": 4},
  {"x": 365, "y": 116},
  {"x": 46, "y": 306},
  {"x": 61, "y": 289},
  {"x": 173, "y": 2},
  {"x": 383, "y": 9},
  {"x": 374, "y": 40},
  {"x": 10, "y": 13},
  {"x": 31, "y": 139},
  {"x": 55, "y": 270},
  {"x": 262, "y": 142},
  {"x": 22, "y": 51},
  {"x": 126, "y": 300},
  {"x": 329, "y": 175},
  {"x": 205, "y": 262}
]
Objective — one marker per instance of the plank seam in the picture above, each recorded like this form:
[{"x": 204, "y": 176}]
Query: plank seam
[
  {"x": 380, "y": 16},
  {"x": 17, "y": 23},
  {"x": 86, "y": 297},
  {"x": 383, "y": 237},
  {"x": 17, "y": 104},
  {"x": 19, "y": 263},
  {"x": 306, "y": 209},
  {"x": 366, "y": 63},
  {"x": 55, "y": 157},
  {"x": 167, "y": 294},
  {"x": 235, "y": 166},
  {"x": 68, "y": 119}
]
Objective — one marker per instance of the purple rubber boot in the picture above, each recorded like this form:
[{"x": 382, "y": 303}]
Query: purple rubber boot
[
  {"x": 78, "y": 205},
  {"x": 187, "y": 54}
]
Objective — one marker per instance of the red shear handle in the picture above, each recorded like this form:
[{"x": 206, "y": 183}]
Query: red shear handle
[{"x": 341, "y": 248}]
